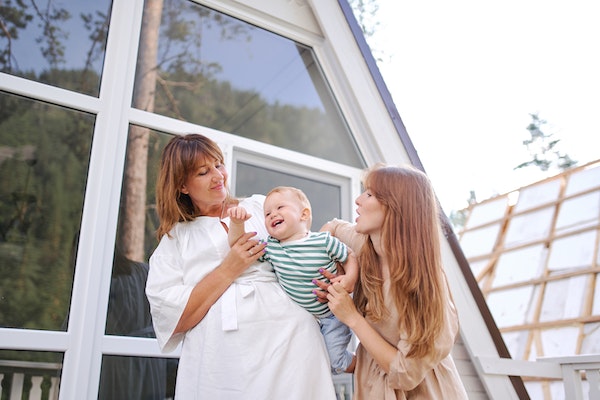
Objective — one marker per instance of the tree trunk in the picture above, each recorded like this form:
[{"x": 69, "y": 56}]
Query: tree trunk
[{"x": 132, "y": 229}]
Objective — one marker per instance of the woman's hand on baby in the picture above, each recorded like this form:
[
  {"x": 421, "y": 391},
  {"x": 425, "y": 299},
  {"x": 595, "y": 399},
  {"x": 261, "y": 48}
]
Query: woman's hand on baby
[
  {"x": 322, "y": 285},
  {"x": 341, "y": 304},
  {"x": 347, "y": 283},
  {"x": 246, "y": 250}
]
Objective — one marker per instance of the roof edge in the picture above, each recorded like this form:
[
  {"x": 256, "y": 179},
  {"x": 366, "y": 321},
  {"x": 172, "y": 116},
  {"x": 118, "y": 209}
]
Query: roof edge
[{"x": 413, "y": 156}]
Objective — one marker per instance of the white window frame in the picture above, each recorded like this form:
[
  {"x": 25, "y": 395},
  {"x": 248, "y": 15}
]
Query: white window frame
[{"x": 84, "y": 343}]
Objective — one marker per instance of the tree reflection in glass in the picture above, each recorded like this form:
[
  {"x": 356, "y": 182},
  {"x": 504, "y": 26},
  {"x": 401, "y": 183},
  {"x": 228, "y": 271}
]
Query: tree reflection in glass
[
  {"x": 58, "y": 43},
  {"x": 44, "y": 156},
  {"x": 202, "y": 66}
]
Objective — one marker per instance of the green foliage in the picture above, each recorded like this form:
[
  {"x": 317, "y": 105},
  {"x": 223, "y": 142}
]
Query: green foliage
[
  {"x": 15, "y": 17},
  {"x": 543, "y": 149},
  {"x": 458, "y": 218},
  {"x": 45, "y": 154},
  {"x": 20, "y": 22},
  {"x": 366, "y": 13}
]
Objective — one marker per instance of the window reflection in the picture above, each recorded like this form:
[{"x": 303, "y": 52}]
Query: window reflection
[
  {"x": 214, "y": 70},
  {"x": 30, "y": 374},
  {"x": 136, "y": 235},
  {"x": 59, "y": 43},
  {"x": 137, "y": 378},
  {"x": 44, "y": 156},
  {"x": 128, "y": 308},
  {"x": 325, "y": 199}
]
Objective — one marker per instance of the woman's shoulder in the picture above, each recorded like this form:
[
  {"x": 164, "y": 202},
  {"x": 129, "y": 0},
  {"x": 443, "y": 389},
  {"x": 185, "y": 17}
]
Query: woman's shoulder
[
  {"x": 182, "y": 229},
  {"x": 254, "y": 201},
  {"x": 345, "y": 231}
]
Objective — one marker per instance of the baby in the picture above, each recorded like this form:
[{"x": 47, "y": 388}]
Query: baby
[{"x": 298, "y": 255}]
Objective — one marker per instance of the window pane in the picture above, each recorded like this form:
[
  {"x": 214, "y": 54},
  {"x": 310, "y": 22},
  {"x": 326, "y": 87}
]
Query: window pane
[
  {"x": 59, "y": 43},
  {"x": 44, "y": 157},
  {"x": 136, "y": 235},
  {"x": 137, "y": 378},
  {"x": 217, "y": 71},
  {"x": 128, "y": 308},
  {"x": 30, "y": 374},
  {"x": 325, "y": 199}
]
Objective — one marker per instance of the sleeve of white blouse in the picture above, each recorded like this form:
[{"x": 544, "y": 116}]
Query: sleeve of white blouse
[
  {"x": 166, "y": 292},
  {"x": 254, "y": 205}
]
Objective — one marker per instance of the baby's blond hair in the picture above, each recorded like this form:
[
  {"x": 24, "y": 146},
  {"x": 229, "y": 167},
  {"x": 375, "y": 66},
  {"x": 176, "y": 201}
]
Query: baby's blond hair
[{"x": 300, "y": 196}]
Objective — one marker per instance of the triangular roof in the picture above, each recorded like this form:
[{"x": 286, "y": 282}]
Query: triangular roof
[
  {"x": 535, "y": 253},
  {"x": 330, "y": 29},
  {"x": 479, "y": 332}
]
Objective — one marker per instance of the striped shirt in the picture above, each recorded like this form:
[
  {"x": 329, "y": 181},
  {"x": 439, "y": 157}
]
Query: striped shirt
[{"x": 297, "y": 263}]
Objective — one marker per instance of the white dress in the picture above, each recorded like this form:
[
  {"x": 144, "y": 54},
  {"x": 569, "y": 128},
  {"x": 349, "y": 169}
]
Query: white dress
[{"x": 254, "y": 342}]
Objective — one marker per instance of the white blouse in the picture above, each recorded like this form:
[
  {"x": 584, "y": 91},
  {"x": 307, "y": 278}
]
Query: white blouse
[{"x": 254, "y": 342}]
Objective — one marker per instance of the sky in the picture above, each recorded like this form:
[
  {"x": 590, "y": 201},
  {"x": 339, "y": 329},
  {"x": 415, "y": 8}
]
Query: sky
[{"x": 465, "y": 75}]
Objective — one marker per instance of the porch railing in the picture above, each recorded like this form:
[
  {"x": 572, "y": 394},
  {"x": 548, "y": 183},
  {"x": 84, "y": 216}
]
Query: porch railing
[
  {"x": 574, "y": 371},
  {"x": 35, "y": 380},
  {"x": 40, "y": 381},
  {"x": 580, "y": 375}
]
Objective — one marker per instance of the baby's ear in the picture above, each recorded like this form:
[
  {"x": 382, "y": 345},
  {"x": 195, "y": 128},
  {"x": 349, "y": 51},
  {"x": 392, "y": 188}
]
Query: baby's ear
[{"x": 305, "y": 214}]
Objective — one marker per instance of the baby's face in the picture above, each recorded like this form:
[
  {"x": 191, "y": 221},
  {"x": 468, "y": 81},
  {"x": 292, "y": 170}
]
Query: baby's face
[{"x": 285, "y": 218}]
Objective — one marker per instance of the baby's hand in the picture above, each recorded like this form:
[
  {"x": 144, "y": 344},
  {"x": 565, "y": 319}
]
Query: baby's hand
[
  {"x": 347, "y": 282},
  {"x": 238, "y": 215}
]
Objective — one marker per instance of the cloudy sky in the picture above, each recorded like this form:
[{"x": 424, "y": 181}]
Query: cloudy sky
[{"x": 466, "y": 75}]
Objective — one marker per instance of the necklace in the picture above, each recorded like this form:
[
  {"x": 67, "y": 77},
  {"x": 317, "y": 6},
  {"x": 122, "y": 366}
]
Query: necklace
[
  {"x": 221, "y": 218},
  {"x": 222, "y": 211}
]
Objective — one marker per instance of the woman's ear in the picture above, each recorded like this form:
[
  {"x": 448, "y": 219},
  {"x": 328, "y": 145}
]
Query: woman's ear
[{"x": 184, "y": 190}]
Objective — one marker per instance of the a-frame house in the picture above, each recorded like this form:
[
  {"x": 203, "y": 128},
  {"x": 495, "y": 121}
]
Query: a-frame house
[{"x": 91, "y": 91}]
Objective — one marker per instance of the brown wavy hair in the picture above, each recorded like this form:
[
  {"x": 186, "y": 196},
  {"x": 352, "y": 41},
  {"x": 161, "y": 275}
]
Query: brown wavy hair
[
  {"x": 181, "y": 157},
  {"x": 410, "y": 236}
]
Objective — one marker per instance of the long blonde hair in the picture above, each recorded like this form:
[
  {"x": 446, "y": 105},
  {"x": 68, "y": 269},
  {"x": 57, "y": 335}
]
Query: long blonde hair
[
  {"x": 410, "y": 239},
  {"x": 181, "y": 157}
]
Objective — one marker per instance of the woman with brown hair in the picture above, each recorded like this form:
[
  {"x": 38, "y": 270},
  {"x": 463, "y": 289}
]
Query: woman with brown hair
[{"x": 241, "y": 337}]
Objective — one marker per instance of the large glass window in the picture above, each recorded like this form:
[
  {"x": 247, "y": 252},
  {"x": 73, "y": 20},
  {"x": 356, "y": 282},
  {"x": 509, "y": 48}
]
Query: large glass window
[
  {"x": 325, "y": 199},
  {"x": 137, "y": 378},
  {"x": 44, "y": 156},
  {"x": 59, "y": 43},
  {"x": 128, "y": 308},
  {"x": 201, "y": 66},
  {"x": 136, "y": 235}
]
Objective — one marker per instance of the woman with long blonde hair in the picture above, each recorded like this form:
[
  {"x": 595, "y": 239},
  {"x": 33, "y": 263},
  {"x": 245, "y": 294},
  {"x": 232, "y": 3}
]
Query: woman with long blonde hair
[{"x": 402, "y": 311}]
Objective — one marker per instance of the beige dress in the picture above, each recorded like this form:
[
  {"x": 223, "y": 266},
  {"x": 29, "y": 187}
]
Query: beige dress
[{"x": 428, "y": 378}]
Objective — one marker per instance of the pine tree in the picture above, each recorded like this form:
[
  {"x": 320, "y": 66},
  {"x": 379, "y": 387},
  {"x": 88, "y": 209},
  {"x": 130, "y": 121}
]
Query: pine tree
[{"x": 542, "y": 148}]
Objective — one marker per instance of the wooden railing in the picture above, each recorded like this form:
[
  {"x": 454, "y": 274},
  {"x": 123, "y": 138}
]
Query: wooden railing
[
  {"x": 572, "y": 369},
  {"x": 576, "y": 372},
  {"x": 343, "y": 386},
  {"x": 580, "y": 375},
  {"x": 40, "y": 381},
  {"x": 29, "y": 380}
]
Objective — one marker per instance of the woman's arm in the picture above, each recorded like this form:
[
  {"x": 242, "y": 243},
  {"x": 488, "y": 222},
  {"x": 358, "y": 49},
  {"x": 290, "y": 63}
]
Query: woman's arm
[
  {"x": 403, "y": 372},
  {"x": 343, "y": 307},
  {"x": 344, "y": 231},
  {"x": 244, "y": 252},
  {"x": 237, "y": 216},
  {"x": 350, "y": 273}
]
